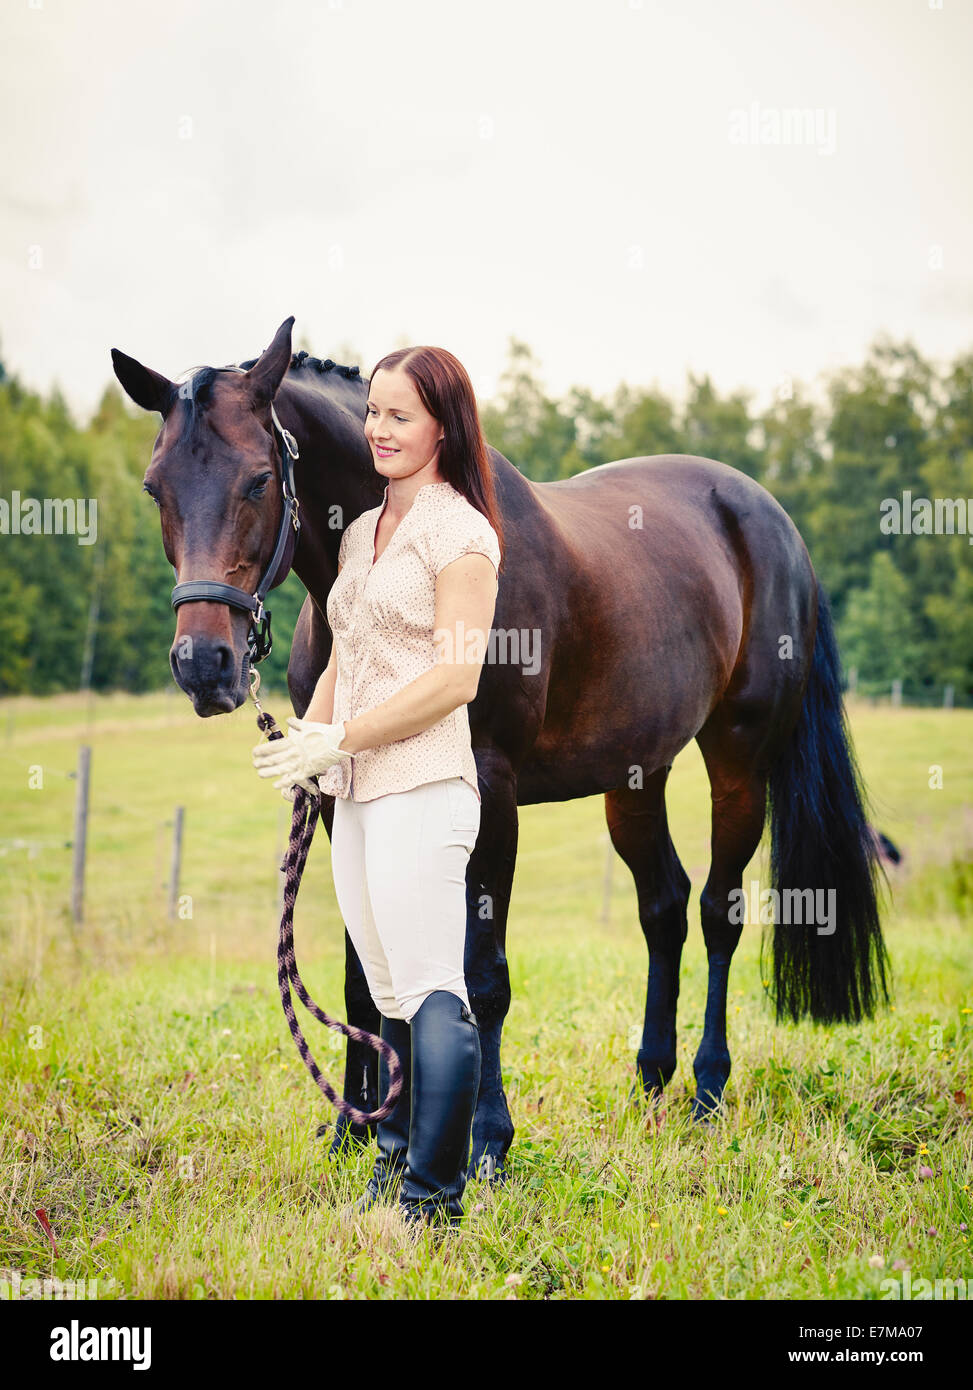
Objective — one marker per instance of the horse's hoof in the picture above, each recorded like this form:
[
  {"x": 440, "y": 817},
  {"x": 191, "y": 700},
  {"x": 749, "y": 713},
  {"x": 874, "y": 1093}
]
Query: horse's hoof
[
  {"x": 488, "y": 1169},
  {"x": 705, "y": 1116},
  {"x": 345, "y": 1140},
  {"x": 649, "y": 1099},
  {"x": 655, "y": 1121}
]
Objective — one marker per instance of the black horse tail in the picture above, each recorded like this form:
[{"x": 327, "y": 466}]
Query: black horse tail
[{"x": 834, "y": 970}]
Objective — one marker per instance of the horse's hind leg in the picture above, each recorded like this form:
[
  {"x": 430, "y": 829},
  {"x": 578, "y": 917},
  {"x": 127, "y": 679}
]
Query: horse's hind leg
[
  {"x": 640, "y": 833},
  {"x": 739, "y": 794}
]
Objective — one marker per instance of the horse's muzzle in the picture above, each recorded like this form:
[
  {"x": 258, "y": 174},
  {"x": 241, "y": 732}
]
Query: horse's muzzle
[{"x": 211, "y": 673}]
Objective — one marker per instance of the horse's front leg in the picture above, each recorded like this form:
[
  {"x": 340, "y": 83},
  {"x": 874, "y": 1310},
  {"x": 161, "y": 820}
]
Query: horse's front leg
[
  {"x": 361, "y": 1062},
  {"x": 309, "y": 656},
  {"x": 489, "y": 880}
]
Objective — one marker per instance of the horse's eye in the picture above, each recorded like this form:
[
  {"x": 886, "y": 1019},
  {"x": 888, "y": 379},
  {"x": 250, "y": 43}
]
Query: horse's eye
[
  {"x": 146, "y": 488},
  {"x": 259, "y": 486}
]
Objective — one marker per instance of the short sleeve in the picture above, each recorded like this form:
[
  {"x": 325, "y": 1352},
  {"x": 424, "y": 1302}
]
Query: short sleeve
[
  {"x": 449, "y": 540},
  {"x": 343, "y": 547}
]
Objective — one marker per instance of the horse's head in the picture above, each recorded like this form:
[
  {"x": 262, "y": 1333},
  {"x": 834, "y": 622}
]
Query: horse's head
[{"x": 215, "y": 475}]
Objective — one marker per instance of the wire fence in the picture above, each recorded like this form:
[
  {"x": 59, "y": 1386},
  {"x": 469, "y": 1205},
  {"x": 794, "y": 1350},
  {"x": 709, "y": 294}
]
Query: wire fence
[
  {"x": 913, "y": 694},
  {"x": 169, "y": 840},
  {"x": 170, "y": 830}
]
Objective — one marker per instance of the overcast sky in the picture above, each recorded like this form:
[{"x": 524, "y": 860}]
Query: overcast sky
[{"x": 616, "y": 182}]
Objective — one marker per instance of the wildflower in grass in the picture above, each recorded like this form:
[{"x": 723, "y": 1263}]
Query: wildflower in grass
[
  {"x": 788, "y": 1225},
  {"x": 514, "y": 1279},
  {"x": 925, "y": 1172},
  {"x": 654, "y": 1225},
  {"x": 605, "y": 1268},
  {"x": 923, "y": 1149},
  {"x": 876, "y": 1262},
  {"x": 722, "y": 1211}
]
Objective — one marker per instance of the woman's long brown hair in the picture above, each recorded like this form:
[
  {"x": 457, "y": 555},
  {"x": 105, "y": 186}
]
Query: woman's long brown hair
[{"x": 446, "y": 391}]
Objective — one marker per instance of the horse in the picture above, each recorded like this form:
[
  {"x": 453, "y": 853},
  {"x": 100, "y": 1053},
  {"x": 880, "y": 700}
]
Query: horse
[{"x": 670, "y": 598}]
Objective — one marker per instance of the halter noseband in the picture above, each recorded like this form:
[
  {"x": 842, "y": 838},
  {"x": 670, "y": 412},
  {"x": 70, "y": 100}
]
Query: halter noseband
[{"x": 259, "y": 639}]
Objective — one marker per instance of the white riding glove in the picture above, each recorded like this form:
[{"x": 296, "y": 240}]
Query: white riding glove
[{"x": 309, "y": 749}]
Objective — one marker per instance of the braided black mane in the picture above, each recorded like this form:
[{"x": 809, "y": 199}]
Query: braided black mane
[
  {"x": 304, "y": 359},
  {"x": 200, "y": 379}
]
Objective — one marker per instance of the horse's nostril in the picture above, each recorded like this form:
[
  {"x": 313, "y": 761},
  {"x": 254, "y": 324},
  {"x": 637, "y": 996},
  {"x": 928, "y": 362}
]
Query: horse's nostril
[
  {"x": 203, "y": 659},
  {"x": 225, "y": 660}
]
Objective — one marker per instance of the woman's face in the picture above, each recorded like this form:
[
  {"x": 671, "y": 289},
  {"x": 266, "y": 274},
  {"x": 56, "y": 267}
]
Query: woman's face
[{"x": 402, "y": 434}]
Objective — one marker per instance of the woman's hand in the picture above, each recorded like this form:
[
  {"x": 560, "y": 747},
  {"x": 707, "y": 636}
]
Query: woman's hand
[{"x": 309, "y": 749}]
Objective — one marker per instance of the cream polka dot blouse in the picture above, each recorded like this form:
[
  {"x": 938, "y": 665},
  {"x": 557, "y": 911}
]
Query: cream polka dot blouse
[{"x": 383, "y": 615}]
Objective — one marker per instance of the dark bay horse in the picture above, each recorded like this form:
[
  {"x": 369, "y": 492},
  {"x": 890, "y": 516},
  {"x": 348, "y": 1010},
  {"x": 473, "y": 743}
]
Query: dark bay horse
[{"x": 660, "y": 600}]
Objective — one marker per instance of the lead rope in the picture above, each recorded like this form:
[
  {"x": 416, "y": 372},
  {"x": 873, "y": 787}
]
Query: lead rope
[{"x": 307, "y": 809}]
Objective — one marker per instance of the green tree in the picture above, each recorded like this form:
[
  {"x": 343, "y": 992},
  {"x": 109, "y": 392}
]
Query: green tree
[
  {"x": 879, "y": 636},
  {"x": 720, "y": 427},
  {"x": 524, "y": 423}
]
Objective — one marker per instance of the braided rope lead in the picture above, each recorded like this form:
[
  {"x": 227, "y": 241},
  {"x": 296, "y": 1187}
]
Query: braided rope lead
[{"x": 307, "y": 809}]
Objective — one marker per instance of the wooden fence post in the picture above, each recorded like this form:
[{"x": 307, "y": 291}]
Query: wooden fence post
[
  {"x": 176, "y": 862},
  {"x": 80, "y": 842}
]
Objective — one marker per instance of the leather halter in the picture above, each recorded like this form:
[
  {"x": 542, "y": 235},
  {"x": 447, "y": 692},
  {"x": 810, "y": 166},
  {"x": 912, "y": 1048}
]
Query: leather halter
[{"x": 259, "y": 639}]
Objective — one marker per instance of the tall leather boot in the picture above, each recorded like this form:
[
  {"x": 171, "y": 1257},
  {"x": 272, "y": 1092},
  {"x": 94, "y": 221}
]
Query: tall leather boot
[
  {"x": 445, "y": 1084},
  {"x": 392, "y": 1133}
]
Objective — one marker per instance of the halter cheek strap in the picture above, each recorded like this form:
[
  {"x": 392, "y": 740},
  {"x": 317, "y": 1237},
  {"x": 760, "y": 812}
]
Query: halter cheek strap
[{"x": 259, "y": 637}]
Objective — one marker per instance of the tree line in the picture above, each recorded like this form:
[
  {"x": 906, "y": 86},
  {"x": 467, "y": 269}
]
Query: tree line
[{"x": 896, "y": 429}]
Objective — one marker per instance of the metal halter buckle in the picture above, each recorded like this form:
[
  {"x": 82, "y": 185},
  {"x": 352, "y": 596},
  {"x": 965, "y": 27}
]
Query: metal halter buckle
[{"x": 261, "y": 639}]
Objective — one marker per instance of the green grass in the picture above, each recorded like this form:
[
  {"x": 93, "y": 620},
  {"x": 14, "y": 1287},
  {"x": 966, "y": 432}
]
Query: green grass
[{"x": 155, "y": 1108}]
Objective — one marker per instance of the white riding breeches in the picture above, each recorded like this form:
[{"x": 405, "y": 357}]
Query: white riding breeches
[{"x": 399, "y": 866}]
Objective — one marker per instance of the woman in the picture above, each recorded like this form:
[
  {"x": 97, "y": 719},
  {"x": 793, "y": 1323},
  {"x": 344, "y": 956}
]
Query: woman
[{"x": 387, "y": 734}]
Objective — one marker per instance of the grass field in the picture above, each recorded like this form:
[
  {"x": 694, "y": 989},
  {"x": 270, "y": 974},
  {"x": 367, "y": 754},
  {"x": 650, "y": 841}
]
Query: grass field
[{"x": 155, "y": 1109}]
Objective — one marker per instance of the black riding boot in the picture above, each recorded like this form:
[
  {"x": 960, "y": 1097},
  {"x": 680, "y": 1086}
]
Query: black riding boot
[
  {"x": 392, "y": 1133},
  {"x": 445, "y": 1083}
]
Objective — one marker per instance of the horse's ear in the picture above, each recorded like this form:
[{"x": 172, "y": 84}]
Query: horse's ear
[
  {"x": 267, "y": 372},
  {"x": 147, "y": 388}
]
